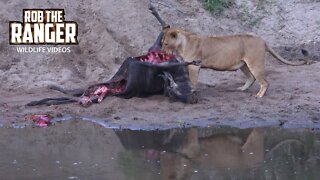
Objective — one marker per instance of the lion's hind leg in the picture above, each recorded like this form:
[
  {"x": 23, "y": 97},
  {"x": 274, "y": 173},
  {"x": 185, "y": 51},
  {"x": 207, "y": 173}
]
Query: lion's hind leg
[
  {"x": 257, "y": 70},
  {"x": 250, "y": 78}
]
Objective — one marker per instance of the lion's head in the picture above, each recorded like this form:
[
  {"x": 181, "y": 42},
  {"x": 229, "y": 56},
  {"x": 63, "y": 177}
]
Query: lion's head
[{"x": 172, "y": 40}]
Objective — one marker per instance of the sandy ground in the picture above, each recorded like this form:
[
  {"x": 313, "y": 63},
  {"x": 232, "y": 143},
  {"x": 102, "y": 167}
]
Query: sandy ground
[
  {"x": 109, "y": 31},
  {"x": 288, "y": 102}
]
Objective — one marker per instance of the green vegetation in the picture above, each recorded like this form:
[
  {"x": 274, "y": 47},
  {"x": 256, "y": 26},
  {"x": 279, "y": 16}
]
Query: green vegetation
[
  {"x": 249, "y": 18},
  {"x": 217, "y": 6},
  {"x": 253, "y": 18}
]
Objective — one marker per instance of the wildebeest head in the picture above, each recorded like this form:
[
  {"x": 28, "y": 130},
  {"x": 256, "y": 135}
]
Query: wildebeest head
[{"x": 179, "y": 88}]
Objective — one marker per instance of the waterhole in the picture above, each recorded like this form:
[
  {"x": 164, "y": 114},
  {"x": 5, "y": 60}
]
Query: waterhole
[{"x": 77, "y": 149}]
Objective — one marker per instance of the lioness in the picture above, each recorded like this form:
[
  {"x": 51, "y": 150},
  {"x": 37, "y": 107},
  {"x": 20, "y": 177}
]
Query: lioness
[{"x": 224, "y": 53}]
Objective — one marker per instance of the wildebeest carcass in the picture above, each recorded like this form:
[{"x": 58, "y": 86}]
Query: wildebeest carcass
[{"x": 153, "y": 73}]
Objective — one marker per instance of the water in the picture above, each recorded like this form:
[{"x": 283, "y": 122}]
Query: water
[{"x": 84, "y": 150}]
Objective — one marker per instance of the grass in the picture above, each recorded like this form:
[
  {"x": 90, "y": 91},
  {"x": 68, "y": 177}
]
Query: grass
[
  {"x": 217, "y": 6},
  {"x": 252, "y": 19},
  {"x": 248, "y": 18}
]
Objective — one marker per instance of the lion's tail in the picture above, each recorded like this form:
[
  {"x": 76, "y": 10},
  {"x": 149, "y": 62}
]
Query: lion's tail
[{"x": 277, "y": 56}]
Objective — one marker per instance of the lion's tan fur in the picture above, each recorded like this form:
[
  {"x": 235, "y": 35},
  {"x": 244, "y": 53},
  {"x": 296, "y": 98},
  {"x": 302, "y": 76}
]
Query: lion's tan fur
[{"x": 224, "y": 53}]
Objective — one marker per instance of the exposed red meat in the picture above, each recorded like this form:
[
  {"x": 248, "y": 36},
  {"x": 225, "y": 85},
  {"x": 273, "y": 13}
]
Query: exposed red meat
[
  {"x": 100, "y": 93},
  {"x": 155, "y": 57},
  {"x": 41, "y": 120}
]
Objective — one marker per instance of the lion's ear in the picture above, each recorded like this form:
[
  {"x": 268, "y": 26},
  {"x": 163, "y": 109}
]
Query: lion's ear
[
  {"x": 165, "y": 27},
  {"x": 174, "y": 35}
]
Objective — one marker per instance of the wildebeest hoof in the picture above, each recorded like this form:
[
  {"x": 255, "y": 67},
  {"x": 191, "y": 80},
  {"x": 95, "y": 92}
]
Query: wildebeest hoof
[{"x": 85, "y": 101}]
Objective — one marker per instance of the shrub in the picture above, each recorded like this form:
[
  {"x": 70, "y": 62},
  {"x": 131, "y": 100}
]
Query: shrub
[{"x": 217, "y": 6}]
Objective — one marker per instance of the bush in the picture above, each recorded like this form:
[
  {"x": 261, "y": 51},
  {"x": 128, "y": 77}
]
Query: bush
[{"x": 217, "y": 6}]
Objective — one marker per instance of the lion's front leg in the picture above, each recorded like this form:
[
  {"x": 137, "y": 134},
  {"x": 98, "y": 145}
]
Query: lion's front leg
[{"x": 193, "y": 75}]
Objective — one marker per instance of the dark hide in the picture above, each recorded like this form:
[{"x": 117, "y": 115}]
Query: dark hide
[
  {"x": 145, "y": 79},
  {"x": 154, "y": 73}
]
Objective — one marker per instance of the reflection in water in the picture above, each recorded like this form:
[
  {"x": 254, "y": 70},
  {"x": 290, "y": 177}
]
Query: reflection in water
[{"x": 83, "y": 150}]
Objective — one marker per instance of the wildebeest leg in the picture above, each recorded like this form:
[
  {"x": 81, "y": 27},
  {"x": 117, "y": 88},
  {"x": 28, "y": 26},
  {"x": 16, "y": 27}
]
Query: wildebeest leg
[
  {"x": 52, "y": 101},
  {"x": 61, "y": 100},
  {"x": 157, "y": 45},
  {"x": 74, "y": 92},
  {"x": 156, "y": 14}
]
